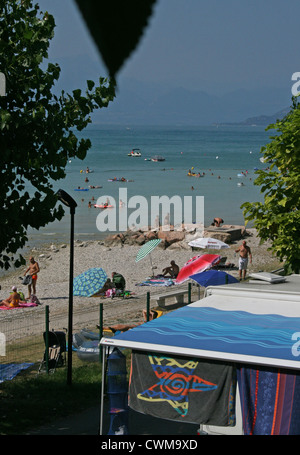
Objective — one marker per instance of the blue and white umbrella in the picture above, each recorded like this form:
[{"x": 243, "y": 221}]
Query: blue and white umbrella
[{"x": 89, "y": 282}]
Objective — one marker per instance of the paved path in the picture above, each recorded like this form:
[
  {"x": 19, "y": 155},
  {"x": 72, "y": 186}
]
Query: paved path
[{"x": 87, "y": 423}]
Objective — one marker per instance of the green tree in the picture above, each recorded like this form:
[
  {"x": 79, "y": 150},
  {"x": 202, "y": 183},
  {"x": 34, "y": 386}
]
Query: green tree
[
  {"x": 278, "y": 217},
  {"x": 37, "y": 128}
]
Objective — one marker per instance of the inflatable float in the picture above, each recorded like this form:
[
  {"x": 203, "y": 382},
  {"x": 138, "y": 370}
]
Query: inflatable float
[
  {"x": 86, "y": 345},
  {"x": 81, "y": 189},
  {"x": 87, "y": 349},
  {"x": 122, "y": 179},
  {"x": 193, "y": 174},
  {"x": 103, "y": 206}
]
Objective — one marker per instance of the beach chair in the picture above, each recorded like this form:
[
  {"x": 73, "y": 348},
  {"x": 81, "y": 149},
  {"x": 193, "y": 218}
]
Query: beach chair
[{"x": 57, "y": 348}]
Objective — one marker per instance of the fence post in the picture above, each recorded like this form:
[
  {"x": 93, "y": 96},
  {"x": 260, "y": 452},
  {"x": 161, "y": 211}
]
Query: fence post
[
  {"x": 100, "y": 330},
  {"x": 189, "y": 292},
  {"x": 47, "y": 338},
  {"x": 148, "y": 306}
]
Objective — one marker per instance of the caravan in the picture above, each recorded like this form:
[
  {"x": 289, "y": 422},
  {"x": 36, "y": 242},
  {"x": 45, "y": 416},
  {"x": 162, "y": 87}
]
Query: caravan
[{"x": 253, "y": 326}]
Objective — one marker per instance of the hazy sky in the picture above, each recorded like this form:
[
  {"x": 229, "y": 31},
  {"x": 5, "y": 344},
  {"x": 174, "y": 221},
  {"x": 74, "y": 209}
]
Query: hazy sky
[{"x": 212, "y": 45}]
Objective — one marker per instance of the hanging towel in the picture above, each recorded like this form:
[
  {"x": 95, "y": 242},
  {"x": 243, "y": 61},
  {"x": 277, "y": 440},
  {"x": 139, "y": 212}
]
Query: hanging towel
[
  {"x": 183, "y": 389},
  {"x": 270, "y": 401}
]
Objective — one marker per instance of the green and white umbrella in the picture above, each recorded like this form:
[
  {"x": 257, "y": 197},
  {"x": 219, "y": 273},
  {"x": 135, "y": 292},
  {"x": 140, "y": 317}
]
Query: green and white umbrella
[{"x": 146, "y": 249}]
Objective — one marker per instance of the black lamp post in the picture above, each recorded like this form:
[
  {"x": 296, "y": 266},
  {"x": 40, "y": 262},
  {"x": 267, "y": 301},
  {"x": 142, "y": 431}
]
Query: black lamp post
[{"x": 67, "y": 200}]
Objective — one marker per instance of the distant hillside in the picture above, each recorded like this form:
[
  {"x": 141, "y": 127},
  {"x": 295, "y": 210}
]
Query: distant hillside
[
  {"x": 148, "y": 103},
  {"x": 265, "y": 120}
]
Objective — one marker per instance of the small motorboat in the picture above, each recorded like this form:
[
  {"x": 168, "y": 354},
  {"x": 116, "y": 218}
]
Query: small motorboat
[
  {"x": 135, "y": 153},
  {"x": 265, "y": 160},
  {"x": 157, "y": 158}
]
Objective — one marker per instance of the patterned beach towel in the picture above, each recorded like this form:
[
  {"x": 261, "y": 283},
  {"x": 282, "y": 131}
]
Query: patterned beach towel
[
  {"x": 270, "y": 401},
  {"x": 21, "y": 305},
  {"x": 183, "y": 389},
  {"x": 157, "y": 281}
]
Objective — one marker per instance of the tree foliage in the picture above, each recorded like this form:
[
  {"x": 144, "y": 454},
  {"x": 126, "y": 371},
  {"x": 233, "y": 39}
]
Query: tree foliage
[
  {"x": 37, "y": 128},
  {"x": 278, "y": 217}
]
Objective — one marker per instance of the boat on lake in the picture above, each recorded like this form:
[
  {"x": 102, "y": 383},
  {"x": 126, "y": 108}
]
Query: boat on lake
[
  {"x": 135, "y": 153},
  {"x": 157, "y": 158}
]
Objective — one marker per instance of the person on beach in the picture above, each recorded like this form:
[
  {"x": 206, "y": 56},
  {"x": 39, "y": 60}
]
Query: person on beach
[
  {"x": 33, "y": 270},
  {"x": 14, "y": 300},
  {"x": 217, "y": 222},
  {"x": 172, "y": 271},
  {"x": 153, "y": 314},
  {"x": 118, "y": 281},
  {"x": 245, "y": 253}
]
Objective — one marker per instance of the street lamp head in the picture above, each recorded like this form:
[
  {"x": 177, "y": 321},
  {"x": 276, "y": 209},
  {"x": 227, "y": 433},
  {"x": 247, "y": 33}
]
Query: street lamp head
[{"x": 66, "y": 199}]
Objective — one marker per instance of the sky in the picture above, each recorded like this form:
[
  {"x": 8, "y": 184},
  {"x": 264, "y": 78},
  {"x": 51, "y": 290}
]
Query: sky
[{"x": 209, "y": 45}]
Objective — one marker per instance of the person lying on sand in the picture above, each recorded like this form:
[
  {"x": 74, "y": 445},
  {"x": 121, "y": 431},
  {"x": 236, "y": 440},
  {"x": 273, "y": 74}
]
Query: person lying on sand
[
  {"x": 13, "y": 300},
  {"x": 153, "y": 314},
  {"x": 171, "y": 271}
]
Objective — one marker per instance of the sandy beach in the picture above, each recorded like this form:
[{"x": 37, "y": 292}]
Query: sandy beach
[{"x": 53, "y": 279}]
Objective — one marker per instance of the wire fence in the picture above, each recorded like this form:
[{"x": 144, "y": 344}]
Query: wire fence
[{"x": 22, "y": 340}]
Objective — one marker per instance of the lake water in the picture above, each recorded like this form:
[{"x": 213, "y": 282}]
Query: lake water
[{"x": 221, "y": 153}]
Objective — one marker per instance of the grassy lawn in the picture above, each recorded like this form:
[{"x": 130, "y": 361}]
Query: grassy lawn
[{"x": 32, "y": 399}]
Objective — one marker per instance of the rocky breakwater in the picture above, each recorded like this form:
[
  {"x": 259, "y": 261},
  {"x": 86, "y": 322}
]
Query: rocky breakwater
[{"x": 170, "y": 238}]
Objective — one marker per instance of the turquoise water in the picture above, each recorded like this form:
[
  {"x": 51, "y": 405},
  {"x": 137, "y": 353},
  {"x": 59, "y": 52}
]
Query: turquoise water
[{"x": 219, "y": 152}]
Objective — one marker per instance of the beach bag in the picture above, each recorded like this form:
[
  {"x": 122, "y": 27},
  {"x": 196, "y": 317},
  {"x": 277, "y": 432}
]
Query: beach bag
[
  {"x": 34, "y": 299},
  {"x": 27, "y": 280},
  {"x": 110, "y": 293}
]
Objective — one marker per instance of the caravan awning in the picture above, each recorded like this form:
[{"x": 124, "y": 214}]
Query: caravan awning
[{"x": 261, "y": 330}]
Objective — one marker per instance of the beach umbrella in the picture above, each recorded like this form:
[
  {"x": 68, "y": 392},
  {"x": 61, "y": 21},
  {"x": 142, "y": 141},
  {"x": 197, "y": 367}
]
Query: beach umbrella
[
  {"x": 89, "y": 282},
  {"x": 146, "y": 249},
  {"x": 208, "y": 242},
  {"x": 197, "y": 264},
  {"x": 213, "y": 278}
]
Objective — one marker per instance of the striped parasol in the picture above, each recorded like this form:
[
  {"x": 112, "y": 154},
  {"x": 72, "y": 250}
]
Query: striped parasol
[{"x": 146, "y": 249}]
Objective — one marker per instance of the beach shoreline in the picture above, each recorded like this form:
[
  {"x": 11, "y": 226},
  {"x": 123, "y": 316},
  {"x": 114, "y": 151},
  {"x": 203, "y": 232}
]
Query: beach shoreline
[{"x": 53, "y": 279}]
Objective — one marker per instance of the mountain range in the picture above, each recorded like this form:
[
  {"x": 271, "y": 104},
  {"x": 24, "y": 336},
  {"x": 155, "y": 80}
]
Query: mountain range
[{"x": 149, "y": 103}]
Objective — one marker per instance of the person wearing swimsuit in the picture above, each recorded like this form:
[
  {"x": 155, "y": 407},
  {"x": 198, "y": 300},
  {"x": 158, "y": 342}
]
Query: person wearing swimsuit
[
  {"x": 33, "y": 270},
  {"x": 13, "y": 300},
  {"x": 244, "y": 251}
]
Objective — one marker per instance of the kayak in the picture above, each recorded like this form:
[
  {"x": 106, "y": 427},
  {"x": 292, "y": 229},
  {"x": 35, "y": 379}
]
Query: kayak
[{"x": 81, "y": 189}]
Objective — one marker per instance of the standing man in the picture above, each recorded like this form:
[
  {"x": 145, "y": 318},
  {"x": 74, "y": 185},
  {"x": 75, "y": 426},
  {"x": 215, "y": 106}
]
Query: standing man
[
  {"x": 245, "y": 252},
  {"x": 33, "y": 270}
]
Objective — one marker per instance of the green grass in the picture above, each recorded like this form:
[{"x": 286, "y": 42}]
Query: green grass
[{"x": 31, "y": 400}]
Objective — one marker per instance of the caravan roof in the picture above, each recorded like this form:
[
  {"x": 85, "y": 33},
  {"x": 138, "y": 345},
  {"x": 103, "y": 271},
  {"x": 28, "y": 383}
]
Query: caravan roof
[{"x": 253, "y": 324}]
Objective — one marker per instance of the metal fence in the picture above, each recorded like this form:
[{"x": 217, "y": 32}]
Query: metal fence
[{"x": 22, "y": 340}]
